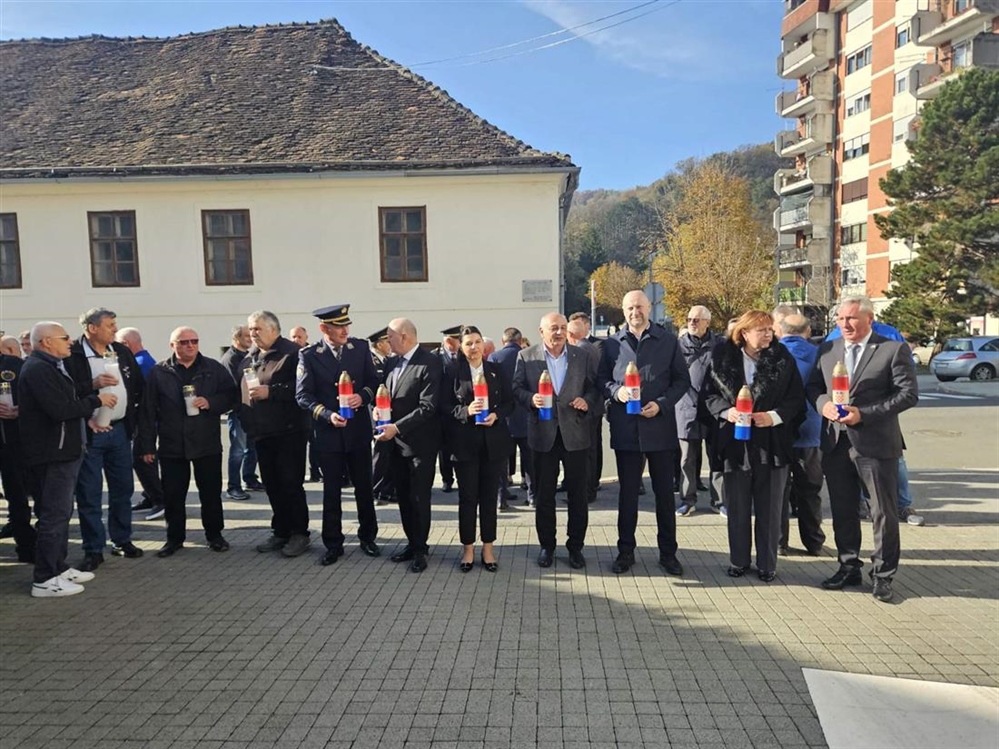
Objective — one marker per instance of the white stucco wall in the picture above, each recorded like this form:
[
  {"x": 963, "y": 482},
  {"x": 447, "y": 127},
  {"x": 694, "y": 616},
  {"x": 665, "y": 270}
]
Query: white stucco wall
[{"x": 314, "y": 243}]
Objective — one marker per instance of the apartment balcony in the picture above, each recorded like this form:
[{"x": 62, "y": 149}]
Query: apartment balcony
[
  {"x": 941, "y": 21},
  {"x": 817, "y": 171},
  {"x": 792, "y": 257},
  {"x": 815, "y": 98},
  {"x": 804, "y": 212},
  {"x": 793, "y": 295},
  {"x": 817, "y": 134},
  {"x": 802, "y": 17},
  {"x": 813, "y": 54},
  {"x": 984, "y": 53},
  {"x": 924, "y": 75}
]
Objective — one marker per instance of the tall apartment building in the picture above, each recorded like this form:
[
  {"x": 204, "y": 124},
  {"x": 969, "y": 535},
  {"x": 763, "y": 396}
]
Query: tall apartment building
[{"x": 862, "y": 69}]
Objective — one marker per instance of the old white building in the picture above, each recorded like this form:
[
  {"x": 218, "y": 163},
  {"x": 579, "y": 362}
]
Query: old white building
[{"x": 196, "y": 178}]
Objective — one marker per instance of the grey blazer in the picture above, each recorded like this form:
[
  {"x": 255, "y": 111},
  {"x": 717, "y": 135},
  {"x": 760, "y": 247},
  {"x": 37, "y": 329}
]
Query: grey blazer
[
  {"x": 882, "y": 387},
  {"x": 580, "y": 381}
]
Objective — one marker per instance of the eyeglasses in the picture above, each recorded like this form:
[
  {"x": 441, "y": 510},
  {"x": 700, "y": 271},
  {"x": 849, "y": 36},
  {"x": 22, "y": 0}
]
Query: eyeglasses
[
  {"x": 57, "y": 337},
  {"x": 187, "y": 342}
]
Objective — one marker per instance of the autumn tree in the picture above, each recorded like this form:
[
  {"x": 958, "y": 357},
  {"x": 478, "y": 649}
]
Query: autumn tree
[
  {"x": 946, "y": 206},
  {"x": 612, "y": 281},
  {"x": 710, "y": 249}
]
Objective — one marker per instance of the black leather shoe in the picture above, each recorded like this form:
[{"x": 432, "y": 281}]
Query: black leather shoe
[
  {"x": 218, "y": 544},
  {"x": 622, "y": 563},
  {"x": 504, "y": 505},
  {"x": 406, "y": 555},
  {"x": 814, "y": 552},
  {"x": 419, "y": 563},
  {"x": 127, "y": 549},
  {"x": 671, "y": 565},
  {"x": 734, "y": 571},
  {"x": 6, "y": 531},
  {"x": 448, "y": 487},
  {"x": 331, "y": 556},
  {"x": 488, "y": 566},
  {"x": 465, "y": 566},
  {"x": 783, "y": 551},
  {"x": 882, "y": 589},
  {"x": 844, "y": 576},
  {"x": 546, "y": 558},
  {"x": 169, "y": 549},
  {"x": 767, "y": 577},
  {"x": 701, "y": 486},
  {"x": 371, "y": 548},
  {"x": 90, "y": 562},
  {"x": 576, "y": 560}
]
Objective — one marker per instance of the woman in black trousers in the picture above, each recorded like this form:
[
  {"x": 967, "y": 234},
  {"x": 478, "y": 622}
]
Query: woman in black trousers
[
  {"x": 755, "y": 471},
  {"x": 479, "y": 450}
]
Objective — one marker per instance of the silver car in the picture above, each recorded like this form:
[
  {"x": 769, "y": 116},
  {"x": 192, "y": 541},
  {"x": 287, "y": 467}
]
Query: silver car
[{"x": 976, "y": 357}]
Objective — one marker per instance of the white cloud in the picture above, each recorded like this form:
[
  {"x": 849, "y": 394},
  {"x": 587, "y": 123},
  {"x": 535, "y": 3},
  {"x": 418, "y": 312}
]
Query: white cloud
[{"x": 657, "y": 44}]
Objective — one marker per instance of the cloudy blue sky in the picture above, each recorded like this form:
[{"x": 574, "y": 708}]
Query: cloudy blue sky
[{"x": 627, "y": 97}]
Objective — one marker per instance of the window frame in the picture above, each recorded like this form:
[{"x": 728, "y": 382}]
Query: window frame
[
  {"x": 859, "y": 104},
  {"x": 16, "y": 243},
  {"x": 853, "y": 233},
  {"x": 858, "y": 60},
  {"x": 206, "y": 238},
  {"x": 404, "y": 236},
  {"x": 93, "y": 240},
  {"x": 903, "y": 35},
  {"x": 857, "y": 147}
]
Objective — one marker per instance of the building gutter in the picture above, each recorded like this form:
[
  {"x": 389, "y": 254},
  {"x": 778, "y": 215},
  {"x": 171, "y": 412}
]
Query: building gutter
[{"x": 569, "y": 185}]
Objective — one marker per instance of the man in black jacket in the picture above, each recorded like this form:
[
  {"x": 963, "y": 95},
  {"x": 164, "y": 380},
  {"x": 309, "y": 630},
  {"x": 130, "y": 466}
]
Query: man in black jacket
[
  {"x": 52, "y": 432},
  {"x": 187, "y": 439},
  {"x": 242, "y": 461},
  {"x": 12, "y": 465},
  {"x": 109, "y": 449},
  {"x": 273, "y": 420}
]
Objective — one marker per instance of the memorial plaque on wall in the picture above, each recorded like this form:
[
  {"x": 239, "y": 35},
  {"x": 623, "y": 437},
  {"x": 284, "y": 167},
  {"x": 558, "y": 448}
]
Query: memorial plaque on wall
[{"x": 536, "y": 290}]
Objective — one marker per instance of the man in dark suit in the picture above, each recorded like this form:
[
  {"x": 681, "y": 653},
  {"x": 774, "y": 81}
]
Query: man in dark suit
[
  {"x": 649, "y": 435},
  {"x": 447, "y": 352},
  {"x": 413, "y": 378},
  {"x": 516, "y": 423},
  {"x": 381, "y": 481},
  {"x": 579, "y": 335},
  {"x": 340, "y": 442},
  {"x": 13, "y": 468},
  {"x": 565, "y": 438},
  {"x": 863, "y": 446}
]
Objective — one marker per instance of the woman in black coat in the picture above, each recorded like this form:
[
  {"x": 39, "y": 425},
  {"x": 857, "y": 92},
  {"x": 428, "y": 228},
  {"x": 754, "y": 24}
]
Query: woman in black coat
[
  {"x": 479, "y": 451},
  {"x": 755, "y": 471}
]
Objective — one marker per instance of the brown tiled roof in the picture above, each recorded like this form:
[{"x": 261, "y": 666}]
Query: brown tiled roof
[{"x": 288, "y": 98}]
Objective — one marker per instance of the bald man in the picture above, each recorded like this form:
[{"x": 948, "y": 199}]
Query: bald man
[
  {"x": 651, "y": 433},
  {"x": 10, "y": 346}
]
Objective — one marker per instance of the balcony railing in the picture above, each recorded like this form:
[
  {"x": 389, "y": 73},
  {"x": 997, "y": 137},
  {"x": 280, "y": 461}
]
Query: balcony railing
[
  {"x": 792, "y": 257},
  {"x": 793, "y": 294},
  {"x": 940, "y": 21},
  {"x": 810, "y": 55}
]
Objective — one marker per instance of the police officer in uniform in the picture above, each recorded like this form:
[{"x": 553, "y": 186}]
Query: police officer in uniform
[
  {"x": 340, "y": 442},
  {"x": 448, "y": 353},
  {"x": 381, "y": 479}
]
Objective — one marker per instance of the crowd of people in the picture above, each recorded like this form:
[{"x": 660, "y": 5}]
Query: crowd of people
[{"x": 768, "y": 407}]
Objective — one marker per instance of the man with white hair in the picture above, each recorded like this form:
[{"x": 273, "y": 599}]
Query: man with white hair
[
  {"x": 696, "y": 346},
  {"x": 52, "y": 432}
]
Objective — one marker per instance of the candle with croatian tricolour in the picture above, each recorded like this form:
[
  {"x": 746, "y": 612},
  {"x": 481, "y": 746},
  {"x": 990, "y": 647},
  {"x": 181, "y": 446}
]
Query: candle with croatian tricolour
[
  {"x": 743, "y": 414},
  {"x": 481, "y": 391},
  {"x": 633, "y": 382},
  {"x": 383, "y": 407},
  {"x": 546, "y": 392},
  {"x": 840, "y": 388},
  {"x": 345, "y": 389}
]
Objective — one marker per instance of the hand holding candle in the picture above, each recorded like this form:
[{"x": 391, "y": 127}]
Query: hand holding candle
[
  {"x": 840, "y": 389},
  {"x": 545, "y": 396},
  {"x": 481, "y": 391},
  {"x": 632, "y": 390},
  {"x": 743, "y": 414},
  {"x": 383, "y": 407}
]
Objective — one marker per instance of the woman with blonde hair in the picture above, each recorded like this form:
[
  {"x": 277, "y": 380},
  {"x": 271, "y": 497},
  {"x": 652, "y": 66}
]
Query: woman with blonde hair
[{"x": 755, "y": 470}]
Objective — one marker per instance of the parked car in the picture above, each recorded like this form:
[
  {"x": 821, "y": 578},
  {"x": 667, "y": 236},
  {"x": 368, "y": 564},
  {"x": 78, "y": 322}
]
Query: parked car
[
  {"x": 921, "y": 353},
  {"x": 976, "y": 357}
]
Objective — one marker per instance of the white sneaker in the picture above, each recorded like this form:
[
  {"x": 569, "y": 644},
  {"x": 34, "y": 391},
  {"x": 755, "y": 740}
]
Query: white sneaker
[
  {"x": 54, "y": 587},
  {"x": 76, "y": 576}
]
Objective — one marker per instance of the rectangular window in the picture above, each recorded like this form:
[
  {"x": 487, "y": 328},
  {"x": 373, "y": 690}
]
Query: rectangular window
[
  {"x": 114, "y": 252},
  {"x": 402, "y": 235},
  {"x": 961, "y": 55},
  {"x": 860, "y": 104},
  {"x": 961, "y": 5},
  {"x": 901, "y": 83},
  {"x": 856, "y": 190},
  {"x": 228, "y": 261},
  {"x": 858, "y": 60},
  {"x": 853, "y": 234},
  {"x": 902, "y": 36},
  {"x": 856, "y": 147},
  {"x": 10, "y": 252},
  {"x": 855, "y": 275},
  {"x": 901, "y": 128}
]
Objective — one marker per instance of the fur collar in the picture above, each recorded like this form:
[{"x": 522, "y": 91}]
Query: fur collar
[{"x": 771, "y": 370}]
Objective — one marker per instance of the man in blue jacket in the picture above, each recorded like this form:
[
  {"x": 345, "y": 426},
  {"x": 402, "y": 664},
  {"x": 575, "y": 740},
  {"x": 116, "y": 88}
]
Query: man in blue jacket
[
  {"x": 805, "y": 481},
  {"x": 650, "y": 434}
]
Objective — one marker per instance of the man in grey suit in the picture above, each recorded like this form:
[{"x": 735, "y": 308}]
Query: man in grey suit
[
  {"x": 565, "y": 438},
  {"x": 863, "y": 447}
]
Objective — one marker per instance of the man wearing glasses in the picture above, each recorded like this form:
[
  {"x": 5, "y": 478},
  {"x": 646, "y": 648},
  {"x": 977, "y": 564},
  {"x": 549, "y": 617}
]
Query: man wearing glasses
[
  {"x": 52, "y": 417},
  {"x": 185, "y": 398},
  {"x": 109, "y": 448},
  {"x": 696, "y": 346}
]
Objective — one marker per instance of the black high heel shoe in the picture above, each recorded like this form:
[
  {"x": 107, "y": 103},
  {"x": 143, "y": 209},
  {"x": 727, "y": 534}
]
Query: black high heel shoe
[
  {"x": 489, "y": 566},
  {"x": 466, "y": 566}
]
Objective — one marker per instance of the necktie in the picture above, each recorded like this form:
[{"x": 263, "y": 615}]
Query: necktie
[
  {"x": 854, "y": 358},
  {"x": 395, "y": 375},
  {"x": 336, "y": 352}
]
